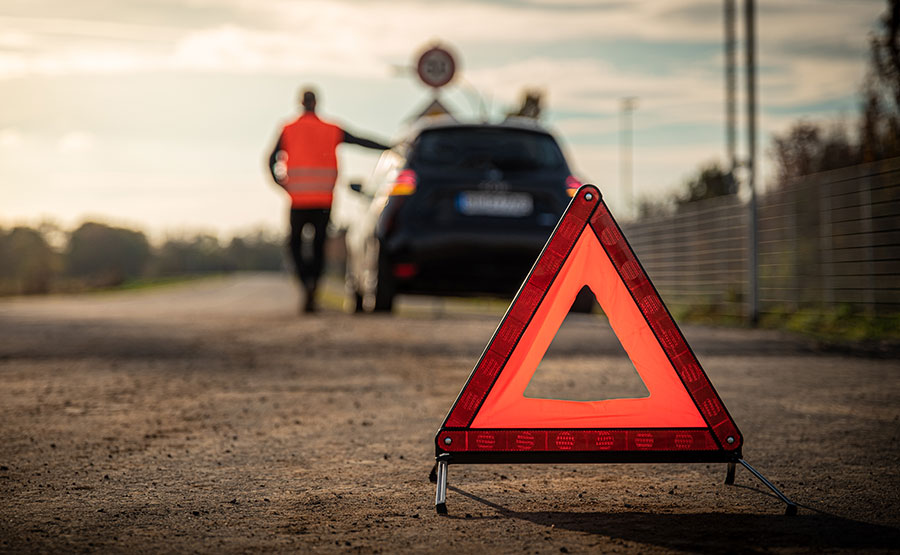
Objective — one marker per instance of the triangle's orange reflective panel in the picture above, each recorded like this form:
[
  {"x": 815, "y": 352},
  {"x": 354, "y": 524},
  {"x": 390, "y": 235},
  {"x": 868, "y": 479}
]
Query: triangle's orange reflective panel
[
  {"x": 668, "y": 405},
  {"x": 683, "y": 412}
]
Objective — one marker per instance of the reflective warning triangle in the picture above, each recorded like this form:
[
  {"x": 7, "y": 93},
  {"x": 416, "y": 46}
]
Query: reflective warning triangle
[{"x": 683, "y": 419}]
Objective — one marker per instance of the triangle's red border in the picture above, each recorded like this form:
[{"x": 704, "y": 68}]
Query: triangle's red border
[{"x": 587, "y": 213}]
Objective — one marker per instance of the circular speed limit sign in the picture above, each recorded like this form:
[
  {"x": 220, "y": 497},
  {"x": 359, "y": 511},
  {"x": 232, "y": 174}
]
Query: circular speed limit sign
[{"x": 436, "y": 67}]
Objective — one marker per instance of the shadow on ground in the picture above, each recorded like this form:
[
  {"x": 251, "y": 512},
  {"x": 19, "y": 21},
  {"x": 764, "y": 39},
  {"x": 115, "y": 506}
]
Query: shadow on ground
[{"x": 713, "y": 532}]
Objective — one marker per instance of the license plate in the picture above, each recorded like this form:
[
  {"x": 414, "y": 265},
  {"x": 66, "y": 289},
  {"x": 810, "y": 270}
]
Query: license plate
[{"x": 490, "y": 203}]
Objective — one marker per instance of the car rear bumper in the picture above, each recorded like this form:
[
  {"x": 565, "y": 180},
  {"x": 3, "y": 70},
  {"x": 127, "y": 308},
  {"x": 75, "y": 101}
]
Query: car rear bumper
[{"x": 461, "y": 263}]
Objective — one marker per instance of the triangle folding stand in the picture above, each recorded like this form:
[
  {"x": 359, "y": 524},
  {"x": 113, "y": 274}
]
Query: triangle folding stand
[{"x": 683, "y": 419}]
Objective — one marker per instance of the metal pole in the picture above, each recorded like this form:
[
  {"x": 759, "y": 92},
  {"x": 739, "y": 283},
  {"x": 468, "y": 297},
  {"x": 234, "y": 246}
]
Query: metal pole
[
  {"x": 752, "y": 246},
  {"x": 826, "y": 244},
  {"x": 730, "y": 87},
  {"x": 440, "y": 495},
  {"x": 791, "y": 508},
  {"x": 625, "y": 147},
  {"x": 865, "y": 192}
]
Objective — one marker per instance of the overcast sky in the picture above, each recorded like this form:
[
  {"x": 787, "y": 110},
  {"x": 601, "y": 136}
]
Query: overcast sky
[{"x": 159, "y": 113}]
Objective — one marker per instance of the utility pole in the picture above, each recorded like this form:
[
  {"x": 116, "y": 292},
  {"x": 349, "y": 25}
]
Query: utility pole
[
  {"x": 752, "y": 245},
  {"x": 731, "y": 89},
  {"x": 626, "y": 140}
]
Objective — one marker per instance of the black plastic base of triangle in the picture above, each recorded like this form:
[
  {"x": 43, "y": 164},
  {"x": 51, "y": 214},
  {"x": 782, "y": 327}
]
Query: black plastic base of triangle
[{"x": 589, "y": 457}]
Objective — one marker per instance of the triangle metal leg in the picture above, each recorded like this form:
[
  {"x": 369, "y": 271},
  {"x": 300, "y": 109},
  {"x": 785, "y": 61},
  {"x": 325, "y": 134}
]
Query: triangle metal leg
[
  {"x": 729, "y": 475},
  {"x": 432, "y": 476},
  {"x": 440, "y": 495},
  {"x": 791, "y": 507}
]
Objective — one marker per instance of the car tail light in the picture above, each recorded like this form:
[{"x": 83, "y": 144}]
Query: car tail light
[
  {"x": 572, "y": 185},
  {"x": 405, "y": 271},
  {"x": 405, "y": 184}
]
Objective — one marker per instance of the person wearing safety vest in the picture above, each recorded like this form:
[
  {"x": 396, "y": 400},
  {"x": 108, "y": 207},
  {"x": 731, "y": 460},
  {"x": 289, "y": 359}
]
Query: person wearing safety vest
[{"x": 304, "y": 164}]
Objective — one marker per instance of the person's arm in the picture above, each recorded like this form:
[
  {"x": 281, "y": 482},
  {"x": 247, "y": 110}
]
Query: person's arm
[
  {"x": 273, "y": 161},
  {"x": 366, "y": 143}
]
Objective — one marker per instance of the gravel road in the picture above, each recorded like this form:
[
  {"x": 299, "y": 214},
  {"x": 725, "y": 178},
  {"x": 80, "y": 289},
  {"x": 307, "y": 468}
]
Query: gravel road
[{"x": 209, "y": 416}]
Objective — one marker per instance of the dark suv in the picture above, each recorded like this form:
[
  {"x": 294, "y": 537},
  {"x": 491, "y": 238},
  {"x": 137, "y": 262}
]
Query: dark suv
[{"x": 459, "y": 209}]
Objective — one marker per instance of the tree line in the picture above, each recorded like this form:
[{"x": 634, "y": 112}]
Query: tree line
[{"x": 45, "y": 259}]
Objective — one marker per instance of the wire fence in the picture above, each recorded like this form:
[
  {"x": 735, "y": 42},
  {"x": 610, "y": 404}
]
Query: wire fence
[{"x": 825, "y": 241}]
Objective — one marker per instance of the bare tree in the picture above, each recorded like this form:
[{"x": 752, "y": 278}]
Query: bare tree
[{"x": 880, "y": 121}]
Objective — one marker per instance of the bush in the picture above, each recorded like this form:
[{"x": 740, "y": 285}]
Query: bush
[
  {"x": 97, "y": 255},
  {"x": 27, "y": 262},
  {"x": 104, "y": 256}
]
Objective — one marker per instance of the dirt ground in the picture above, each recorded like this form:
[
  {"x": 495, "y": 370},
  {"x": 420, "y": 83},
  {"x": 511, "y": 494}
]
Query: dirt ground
[{"x": 210, "y": 417}]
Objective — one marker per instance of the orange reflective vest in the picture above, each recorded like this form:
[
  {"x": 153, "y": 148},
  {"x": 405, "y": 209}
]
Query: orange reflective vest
[{"x": 310, "y": 144}]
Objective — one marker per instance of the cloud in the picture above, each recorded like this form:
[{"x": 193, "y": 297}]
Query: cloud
[
  {"x": 363, "y": 39},
  {"x": 75, "y": 142},
  {"x": 11, "y": 39},
  {"x": 235, "y": 49},
  {"x": 595, "y": 86},
  {"x": 392, "y": 27},
  {"x": 810, "y": 52},
  {"x": 10, "y": 138}
]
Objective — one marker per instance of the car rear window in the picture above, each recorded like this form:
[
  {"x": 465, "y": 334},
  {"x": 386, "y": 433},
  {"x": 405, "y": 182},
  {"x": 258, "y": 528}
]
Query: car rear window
[{"x": 504, "y": 149}]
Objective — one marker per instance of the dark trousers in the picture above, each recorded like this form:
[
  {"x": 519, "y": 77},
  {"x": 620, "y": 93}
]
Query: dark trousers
[{"x": 308, "y": 255}]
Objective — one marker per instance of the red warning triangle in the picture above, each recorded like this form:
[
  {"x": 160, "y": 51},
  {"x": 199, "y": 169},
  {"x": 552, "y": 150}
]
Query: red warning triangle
[{"x": 683, "y": 418}]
